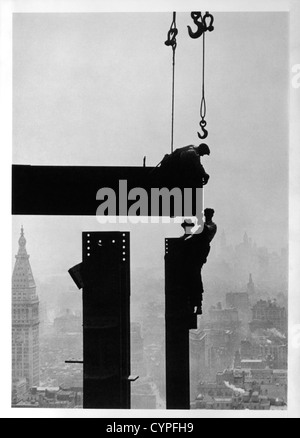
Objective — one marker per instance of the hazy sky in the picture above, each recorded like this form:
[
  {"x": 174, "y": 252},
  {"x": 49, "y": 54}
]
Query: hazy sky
[{"x": 94, "y": 89}]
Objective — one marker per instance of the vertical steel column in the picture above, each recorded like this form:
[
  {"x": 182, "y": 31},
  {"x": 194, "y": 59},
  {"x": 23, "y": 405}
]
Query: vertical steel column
[
  {"x": 106, "y": 320},
  {"x": 179, "y": 319}
]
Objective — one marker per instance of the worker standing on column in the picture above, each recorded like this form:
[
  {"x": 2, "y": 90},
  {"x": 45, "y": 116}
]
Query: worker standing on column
[{"x": 196, "y": 249}]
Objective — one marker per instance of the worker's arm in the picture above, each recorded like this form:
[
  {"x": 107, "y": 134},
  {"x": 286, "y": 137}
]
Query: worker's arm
[{"x": 191, "y": 161}]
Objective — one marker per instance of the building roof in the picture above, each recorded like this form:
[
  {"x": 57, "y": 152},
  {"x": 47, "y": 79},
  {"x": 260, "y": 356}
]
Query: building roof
[
  {"x": 27, "y": 404},
  {"x": 48, "y": 388},
  {"x": 223, "y": 399},
  {"x": 19, "y": 380},
  {"x": 197, "y": 335},
  {"x": 66, "y": 393}
]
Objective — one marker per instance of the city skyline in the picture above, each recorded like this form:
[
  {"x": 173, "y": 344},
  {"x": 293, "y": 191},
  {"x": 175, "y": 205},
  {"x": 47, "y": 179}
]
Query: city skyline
[{"x": 62, "y": 338}]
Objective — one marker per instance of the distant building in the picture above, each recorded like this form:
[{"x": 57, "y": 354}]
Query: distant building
[
  {"x": 261, "y": 376},
  {"x": 138, "y": 364},
  {"x": 25, "y": 321},
  {"x": 197, "y": 359},
  {"x": 277, "y": 351},
  {"x": 45, "y": 324},
  {"x": 277, "y": 394},
  {"x": 280, "y": 377},
  {"x": 250, "y": 286},
  {"x": 54, "y": 350},
  {"x": 153, "y": 333},
  {"x": 19, "y": 390},
  {"x": 55, "y": 397},
  {"x": 268, "y": 345},
  {"x": 220, "y": 347},
  {"x": 235, "y": 377},
  {"x": 155, "y": 361},
  {"x": 233, "y": 264},
  {"x": 68, "y": 323},
  {"x": 224, "y": 318},
  {"x": 248, "y": 349},
  {"x": 143, "y": 394},
  {"x": 238, "y": 300},
  {"x": 253, "y": 389},
  {"x": 237, "y": 359},
  {"x": 247, "y": 400},
  {"x": 267, "y": 314},
  {"x": 216, "y": 389},
  {"x": 253, "y": 364}
]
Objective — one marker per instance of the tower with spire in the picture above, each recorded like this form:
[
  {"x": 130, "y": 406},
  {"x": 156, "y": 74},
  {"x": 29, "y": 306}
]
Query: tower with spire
[
  {"x": 25, "y": 320},
  {"x": 246, "y": 239},
  {"x": 250, "y": 286}
]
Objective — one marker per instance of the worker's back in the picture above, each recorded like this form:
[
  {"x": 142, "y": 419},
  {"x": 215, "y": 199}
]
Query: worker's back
[{"x": 180, "y": 169}]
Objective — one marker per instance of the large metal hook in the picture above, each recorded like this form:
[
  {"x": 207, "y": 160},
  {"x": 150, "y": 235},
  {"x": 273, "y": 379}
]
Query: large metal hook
[
  {"x": 204, "y": 131},
  {"x": 196, "y": 16}
]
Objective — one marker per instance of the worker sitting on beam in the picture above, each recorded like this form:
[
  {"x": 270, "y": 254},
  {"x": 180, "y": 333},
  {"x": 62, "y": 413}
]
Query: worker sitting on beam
[{"x": 182, "y": 168}]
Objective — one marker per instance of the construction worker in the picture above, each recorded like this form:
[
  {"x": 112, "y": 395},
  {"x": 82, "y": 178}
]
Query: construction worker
[
  {"x": 182, "y": 168},
  {"x": 196, "y": 247},
  {"x": 192, "y": 170}
]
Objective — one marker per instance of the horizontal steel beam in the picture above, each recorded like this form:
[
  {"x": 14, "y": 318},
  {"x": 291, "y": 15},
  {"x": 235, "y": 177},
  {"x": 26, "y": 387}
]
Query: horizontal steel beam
[{"x": 72, "y": 190}]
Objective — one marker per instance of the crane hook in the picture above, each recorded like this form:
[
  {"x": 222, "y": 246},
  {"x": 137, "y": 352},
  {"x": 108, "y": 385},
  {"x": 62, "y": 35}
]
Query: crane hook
[
  {"x": 196, "y": 16},
  {"x": 204, "y": 131}
]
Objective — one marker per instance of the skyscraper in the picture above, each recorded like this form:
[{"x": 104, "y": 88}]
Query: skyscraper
[
  {"x": 25, "y": 320},
  {"x": 250, "y": 286}
]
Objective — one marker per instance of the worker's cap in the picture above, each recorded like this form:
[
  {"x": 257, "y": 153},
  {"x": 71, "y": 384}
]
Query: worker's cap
[
  {"x": 204, "y": 149},
  {"x": 187, "y": 223}
]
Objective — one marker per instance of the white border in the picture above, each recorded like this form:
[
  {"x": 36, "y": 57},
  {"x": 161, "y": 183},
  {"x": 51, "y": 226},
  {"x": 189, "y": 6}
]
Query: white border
[{"x": 7, "y": 8}]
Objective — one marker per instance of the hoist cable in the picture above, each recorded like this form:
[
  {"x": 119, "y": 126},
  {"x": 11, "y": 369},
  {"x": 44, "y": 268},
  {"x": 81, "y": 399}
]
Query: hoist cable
[
  {"x": 173, "y": 102},
  {"x": 171, "y": 41},
  {"x": 203, "y": 23},
  {"x": 203, "y": 101}
]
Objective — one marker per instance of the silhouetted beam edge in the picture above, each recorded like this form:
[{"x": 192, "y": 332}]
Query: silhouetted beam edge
[{"x": 71, "y": 190}]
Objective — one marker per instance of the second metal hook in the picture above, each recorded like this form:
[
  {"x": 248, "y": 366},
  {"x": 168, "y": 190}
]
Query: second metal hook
[{"x": 204, "y": 133}]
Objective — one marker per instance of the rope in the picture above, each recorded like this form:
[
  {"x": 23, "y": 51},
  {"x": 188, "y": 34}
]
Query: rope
[
  {"x": 202, "y": 122},
  {"x": 203, "y": 101},
  {"x": 173, "y": 101},
  {"x": 171, "y": 41}
]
